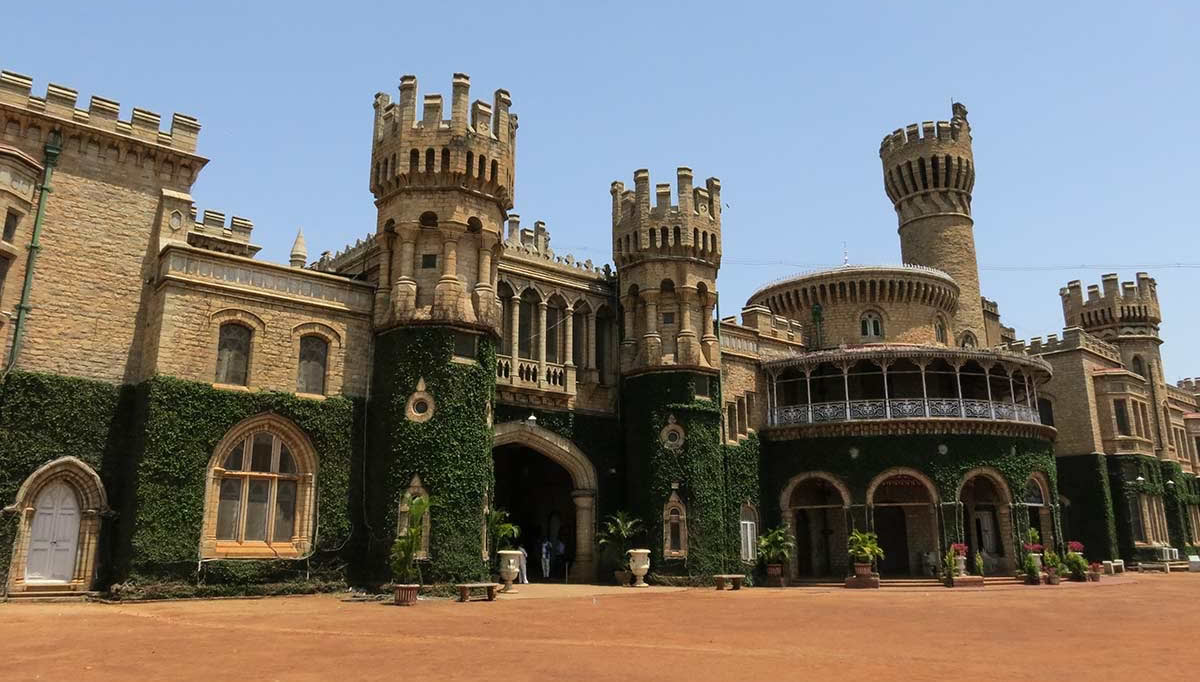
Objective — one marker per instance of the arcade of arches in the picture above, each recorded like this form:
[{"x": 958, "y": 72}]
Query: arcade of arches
[{"x": 903, "y": 507}]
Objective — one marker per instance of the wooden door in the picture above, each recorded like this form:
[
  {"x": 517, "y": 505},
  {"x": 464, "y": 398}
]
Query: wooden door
[{"x": 54, "y": 535}]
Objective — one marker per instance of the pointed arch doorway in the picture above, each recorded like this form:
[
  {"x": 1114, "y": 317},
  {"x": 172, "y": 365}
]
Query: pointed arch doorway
[{"x": 552, "y": 496}]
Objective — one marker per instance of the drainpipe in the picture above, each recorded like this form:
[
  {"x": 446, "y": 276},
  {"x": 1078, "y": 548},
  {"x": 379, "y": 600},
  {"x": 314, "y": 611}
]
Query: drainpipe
[{"x": 49, "y": 160}]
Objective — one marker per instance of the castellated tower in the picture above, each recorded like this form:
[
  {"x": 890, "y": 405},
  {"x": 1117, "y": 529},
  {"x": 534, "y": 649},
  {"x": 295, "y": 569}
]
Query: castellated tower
[
  {"x": 667, "y": 256},
  {"x": 442, "y": 189},
  {"x": 928, "y": 173}
]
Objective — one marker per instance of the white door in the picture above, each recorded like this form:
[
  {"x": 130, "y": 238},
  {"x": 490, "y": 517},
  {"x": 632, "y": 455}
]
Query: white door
[{"x": 53, "y": 537}]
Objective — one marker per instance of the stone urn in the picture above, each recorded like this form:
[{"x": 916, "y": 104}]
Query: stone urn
[
  {"x": 639, "y": 564},
  {"x": 1037, "y": 560},
  {"x": 510, "y": 568},
  {"x": 406, "y": 595},
  {"x": 960, "y": 564}
]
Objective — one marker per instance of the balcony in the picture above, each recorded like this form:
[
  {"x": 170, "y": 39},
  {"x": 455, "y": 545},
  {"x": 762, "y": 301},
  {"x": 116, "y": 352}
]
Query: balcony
[
  {"x": 902, "y": 408},
  {"x": 524, "y": 373}
]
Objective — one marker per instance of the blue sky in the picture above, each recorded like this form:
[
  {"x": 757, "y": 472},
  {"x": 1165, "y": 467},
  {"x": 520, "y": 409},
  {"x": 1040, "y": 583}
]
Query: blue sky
[{"x": 1084, "y": 120}]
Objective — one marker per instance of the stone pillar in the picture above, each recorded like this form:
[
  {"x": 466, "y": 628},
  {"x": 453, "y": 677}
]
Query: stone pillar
[
  {"x": 384, "y": 290},
  {"x": 686, "y": 351},
  {"x": 541, "y": 355},
  {"x": 651, "y": 340},
  {"x": 450, "y": 259},
  {"x": 569, "y": 368},
  {"x": 485, "y": 292},
  {"x": 447, "y": 293},
  {"x": 514, "y": 332},
  {"x": 404, "y": 291},
  {"x": 584, "y": 569},
  {"x": 592, "y": 327},
  {"x": 708, "y": 340}
]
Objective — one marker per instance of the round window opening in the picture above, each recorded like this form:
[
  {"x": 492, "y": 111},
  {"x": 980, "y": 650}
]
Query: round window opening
[
  {"x": 421, "y": 406},
  {"x": 673, "y": 437}
]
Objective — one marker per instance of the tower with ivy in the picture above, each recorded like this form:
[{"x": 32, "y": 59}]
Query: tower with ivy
[
  {"x": 443, "y": 188},
  {"x": 667, "y": 256}
]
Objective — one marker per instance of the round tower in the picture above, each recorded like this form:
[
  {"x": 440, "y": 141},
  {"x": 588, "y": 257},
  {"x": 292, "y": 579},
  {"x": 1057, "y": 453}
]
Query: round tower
[
  {"x": 667, "y": 257},
  {"x": 442, "y": 189},
  {"x": 928, "y": 173}
]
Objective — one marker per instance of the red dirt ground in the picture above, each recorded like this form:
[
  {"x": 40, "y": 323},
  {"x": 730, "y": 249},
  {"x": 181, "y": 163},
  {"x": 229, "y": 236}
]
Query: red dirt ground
[{"x": 1141, "y": 627}]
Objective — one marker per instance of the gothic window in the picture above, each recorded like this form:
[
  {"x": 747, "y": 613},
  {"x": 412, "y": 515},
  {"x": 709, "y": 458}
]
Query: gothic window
[
  {"x": 1138, "y": 366},
  {"x": 871, "y": 325},
  {"x": 314, "y": 355},
  {"x": 233, "y": 354},
  {"x": 968, "y": 340},
  {"x": 1122, "y": 417},
  {"x": 1033, "y": 493},
  {"x": 260, "y": 497},
  {"x": 939, "y": 330},
  {"x": 674, "y": 527},
  {"x": 415, "y": 489}
]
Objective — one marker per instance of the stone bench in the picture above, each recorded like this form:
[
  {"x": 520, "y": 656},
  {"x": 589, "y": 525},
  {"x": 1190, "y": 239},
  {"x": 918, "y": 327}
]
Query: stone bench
[
  {"x": 1193, "y": 563},
  {"x": 1114, "y": 567},
  {"x": 464, "y": 590},
  {"x": 734, "y": 580}
]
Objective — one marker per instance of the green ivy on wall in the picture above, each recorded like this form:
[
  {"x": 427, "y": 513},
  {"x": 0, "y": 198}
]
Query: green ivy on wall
[
  {"x": 451, "y": 452},
  {"x": 1084, "y": 481}
]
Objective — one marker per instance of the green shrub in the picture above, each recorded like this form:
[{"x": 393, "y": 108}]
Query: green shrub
[{"x": 1077, "y": 565}]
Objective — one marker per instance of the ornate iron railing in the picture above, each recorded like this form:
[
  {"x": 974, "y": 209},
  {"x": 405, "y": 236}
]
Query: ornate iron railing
[{"x": 902, "y": 408}]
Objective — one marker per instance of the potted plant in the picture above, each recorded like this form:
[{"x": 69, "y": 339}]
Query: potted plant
[
  {"x": 503, "y": 532},
  {"x": 960, "y": 558},
  {"x": 1034, "y": 548},
  {"x": 979, "y": 568},
  {"x": 1033, "y": 573},
  {"x": 775, "y": 548},
  {"x": 1094, "y": 570},
  {"x": 864, "y": 550},
  {"x": 617, "y": 535},
  {"x": 1076, "y": 565},
  {"x": 1052, "y": 565},
  {"x": 405, "y": 568}
]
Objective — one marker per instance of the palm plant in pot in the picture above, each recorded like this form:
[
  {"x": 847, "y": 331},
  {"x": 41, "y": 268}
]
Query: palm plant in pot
[
  {"x": 775, "y": 548},
  {"x": 502, "y": 533},
  {"x": 864, "y": 550},
  {"x": 405, "y": 569},
  {"x": 617, "y": 535}
]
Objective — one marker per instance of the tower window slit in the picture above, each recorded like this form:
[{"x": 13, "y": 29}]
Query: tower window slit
[
  {"x": 924, "y": 178},
  {"x": 470, "y": 162},
  {"x": 936, "y": 174}
]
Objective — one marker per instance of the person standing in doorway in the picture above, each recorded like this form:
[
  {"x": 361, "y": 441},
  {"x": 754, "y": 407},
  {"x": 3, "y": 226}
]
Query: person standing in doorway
[
  {"x": 523, "y": 576},
  {"x": 547, "y": 550}
]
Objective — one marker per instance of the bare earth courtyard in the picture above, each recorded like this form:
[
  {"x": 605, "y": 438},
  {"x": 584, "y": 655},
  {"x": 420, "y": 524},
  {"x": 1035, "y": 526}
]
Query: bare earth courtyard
[{"x": 581, "y": 632}]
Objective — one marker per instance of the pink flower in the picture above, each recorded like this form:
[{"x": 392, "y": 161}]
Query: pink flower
[
  {"x": 959, "y": 548},
  {"x": 1075, "y": 546},
  {"x": 1030, "y": 547}
]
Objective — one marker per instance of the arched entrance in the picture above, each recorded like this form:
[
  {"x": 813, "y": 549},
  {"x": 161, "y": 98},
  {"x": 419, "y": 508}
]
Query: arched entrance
[
  {"x": 59, "y": 527},
  {"x": 1036, "y": 499},
  {"x": 903, "y": 514},
  {"x": 551, "y": 497},
  {"x": 987, "y": 520},
  {"x": 814, "y": 506}
]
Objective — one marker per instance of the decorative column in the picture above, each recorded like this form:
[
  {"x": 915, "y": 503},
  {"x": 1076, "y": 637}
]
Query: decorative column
[
  {"x": 887, "y": 404},
  {"x": 846, "y": 388},
  {"x": 1012, "y": 392},
  {"x": 651, "y": 340},
  {"x": 404, "y": 291},
  {"x": 808, "y": 391},
  {"x": 448, "y": 291},
  {"x": 924, "y": 388},
  {"x": 541, "y": 357},
  {"x": 987, "y": 374},
  {"x": 685, "y": 341},
  {"x": 962, "y": 410},
  {"x": 485, "y": 293},
  {"x": 592, "y": 326},
  {"x": 584, "y": 569},
  {"x": 708, "y": 340},
  {"x": 569, "y": 365},
  {"x": 383, "y": 292},
  {"x": 514, "y": 330}
]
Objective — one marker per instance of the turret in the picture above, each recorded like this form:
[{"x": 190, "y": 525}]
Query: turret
[
  {"x": 668, "y": 255},
  {"x": 443, "y": 189},
  {"x": 928, "y": 173},
  {"x": 1113, "y": 310},
  {"x": 299, "y": 255}
]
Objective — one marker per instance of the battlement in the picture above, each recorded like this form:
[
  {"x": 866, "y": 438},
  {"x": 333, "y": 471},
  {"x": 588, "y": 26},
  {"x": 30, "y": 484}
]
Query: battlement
[
  {"x": 533, "y": 245},
  {"x": 927, "y": 133},
  {"x": 102, "y": 113},
  {"x": 346, "y": 259},
  {"x": 1113, "y": 304},
  {"x": 211, "y": 231},
  {"x": 690, "y": 227},
  {"x": 1073, "y": 338},
  {"x": 474, "y": 147},
  {"x": 1190, "y": 385}
]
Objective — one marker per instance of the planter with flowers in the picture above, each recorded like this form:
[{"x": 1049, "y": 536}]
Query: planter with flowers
[
  {"x": 1053, "y": 567},
  {"x": 864, "y": 549},
  {"x": 1074, "y": 563},
  {"x": 1094, "y": 571},
  {"x": 1033, "y": 548},
  {"x": 956, "y": 568}
]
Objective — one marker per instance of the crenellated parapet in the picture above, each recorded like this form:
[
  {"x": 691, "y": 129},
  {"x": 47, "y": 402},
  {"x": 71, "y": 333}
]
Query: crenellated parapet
[
  {"x": 213, "y": 232},
  {"x": 929, "y": 169},
  {"x": 473, "y": 149},
  {"x": 1189, "y": 385},
  {"x": 1113, "y": 308},
  {"x": 689, "y": 228},
  {"x": 533, "y": 245},
  {"x": 102, "y": 114},
  {"x": 1073, "y": 338}
]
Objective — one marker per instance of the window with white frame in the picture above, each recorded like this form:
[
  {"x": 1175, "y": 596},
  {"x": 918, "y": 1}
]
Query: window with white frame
[
  {"x": 871, "y": 325},
  {"x": 749, "y": 533}
]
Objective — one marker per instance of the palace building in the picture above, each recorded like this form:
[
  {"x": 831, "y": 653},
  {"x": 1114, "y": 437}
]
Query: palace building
[{"x": 180, "y": 417}]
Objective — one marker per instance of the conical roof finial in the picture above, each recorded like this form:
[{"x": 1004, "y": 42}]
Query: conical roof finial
[{"x": 299, "y": 250}]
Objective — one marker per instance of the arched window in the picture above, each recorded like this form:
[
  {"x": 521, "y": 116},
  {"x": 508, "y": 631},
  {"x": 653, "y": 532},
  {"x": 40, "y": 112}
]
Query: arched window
[
  {"x": 233, "y": 354},
  {"x": 445, "y": 160},
  {"x": 939, "y": 330},
  {"x": 749, "y": 532},
  {"x": 1138, "y": 366},
  {"x": 314, "y": 355},
  {"x": 414, "y": 161},
  {"x": 260, "y": 504},
  {"x": 674, "y": 527},
  {"x": 470, "y": 162},
  {"x": 428, "y": 219},
  {"x": 1033, "y": 493},
  {"x": 429, "y": 160},
  {"x": 871, "y": 325},
  {"x": 415, "y": 489},
  {"x": 495, "y": 166},
  {"x": 967, "y": 340}
]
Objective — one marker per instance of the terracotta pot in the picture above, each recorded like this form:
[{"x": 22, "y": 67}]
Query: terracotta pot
[
  {"x": 639, "y": 564},
  {"x": 510, "y": 567},
  {"x": 1052, "y": 577},
  {"x": 406, "y": 595},
  {"x": 775, "y": 575},
  {"x": 862, "y": 570}
]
